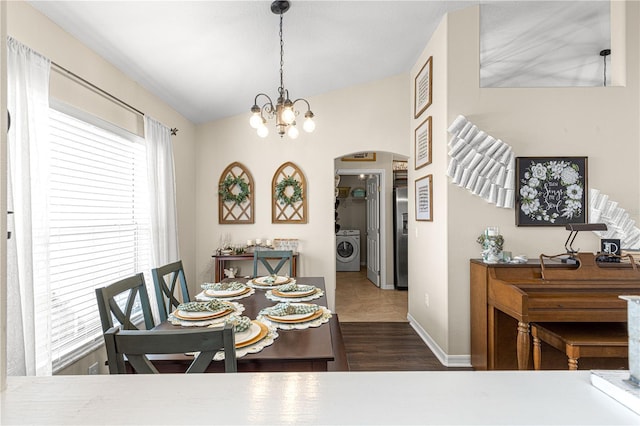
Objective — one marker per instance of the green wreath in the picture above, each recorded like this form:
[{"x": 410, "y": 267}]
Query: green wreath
[
  {"x": 228, "y": 183},
  {"x": 281, "y": 187}
]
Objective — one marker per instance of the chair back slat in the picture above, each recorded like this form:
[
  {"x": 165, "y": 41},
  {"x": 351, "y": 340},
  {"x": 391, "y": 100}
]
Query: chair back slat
[
  {"x": 264, "y": 256},
  {"x": 109, "y": 308},
  {"x": 166, "y": 280},
  {"x": 135, "y": 345}
]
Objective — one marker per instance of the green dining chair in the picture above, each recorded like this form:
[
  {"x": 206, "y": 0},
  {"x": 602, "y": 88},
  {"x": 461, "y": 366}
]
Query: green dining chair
[
  {"x": 119, "y": 300},
  {"x": 135, "y": 345},
  {"x": 262, "y": 257},
  {"x": 166, "y": 280}
]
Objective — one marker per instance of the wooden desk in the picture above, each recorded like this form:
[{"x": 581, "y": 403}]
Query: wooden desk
[
  {"x": 505, "y": 298},
  {"x": 220, "y": 261},
  {"x": 312, "y": 349}
]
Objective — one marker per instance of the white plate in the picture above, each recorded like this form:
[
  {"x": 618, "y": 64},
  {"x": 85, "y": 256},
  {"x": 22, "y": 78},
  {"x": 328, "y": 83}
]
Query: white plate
[
  {"x": 278, "y": 281},
  {"x": 248, "y": 334},
  {"x": 293, "y": 317},
  {"x": 224, "y": 293},
  {"x": 199, "y": 315}
]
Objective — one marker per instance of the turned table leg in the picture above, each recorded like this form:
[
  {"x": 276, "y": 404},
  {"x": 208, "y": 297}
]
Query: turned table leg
[{"x": 524, "y": 345}]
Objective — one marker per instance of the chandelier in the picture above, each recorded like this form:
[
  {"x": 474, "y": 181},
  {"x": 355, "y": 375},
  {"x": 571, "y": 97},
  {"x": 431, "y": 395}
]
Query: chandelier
[{"x": 284, "y": 109}]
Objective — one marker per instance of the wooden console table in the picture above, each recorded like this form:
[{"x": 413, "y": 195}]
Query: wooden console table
[
  {"x": 505, "y": 298},
  {"x": 220, "y": 261}
]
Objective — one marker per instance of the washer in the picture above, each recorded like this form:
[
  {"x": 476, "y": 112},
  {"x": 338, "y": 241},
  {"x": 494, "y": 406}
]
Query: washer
[{"x": 348, "y": 250}]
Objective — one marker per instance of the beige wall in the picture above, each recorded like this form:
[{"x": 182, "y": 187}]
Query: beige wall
[
  {"x": 370, "y": 117},
  {"x": 33, "y": 29},
  {"x": 600, "y": 123}
]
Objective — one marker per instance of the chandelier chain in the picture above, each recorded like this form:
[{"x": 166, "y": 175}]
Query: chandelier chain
[{"x": 281, "y": 58}]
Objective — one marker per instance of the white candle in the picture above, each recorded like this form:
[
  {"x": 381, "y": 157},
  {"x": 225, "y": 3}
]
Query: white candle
[
  {"x": 492, "y": 231},
  {"x": 258, "y": 241},
  {"x": 249, "y": 242},
  {"x": 268, "y": 243}
]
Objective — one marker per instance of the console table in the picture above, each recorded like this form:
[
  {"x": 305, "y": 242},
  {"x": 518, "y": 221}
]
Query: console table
[{"x": 220, "y": 261}]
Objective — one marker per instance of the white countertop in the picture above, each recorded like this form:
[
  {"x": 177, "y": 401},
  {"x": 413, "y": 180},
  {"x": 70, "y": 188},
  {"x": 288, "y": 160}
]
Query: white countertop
[{"x": 453, "y": 397}]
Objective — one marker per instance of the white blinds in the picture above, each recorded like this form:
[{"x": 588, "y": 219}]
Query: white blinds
[{"x": 99, "y": 226}]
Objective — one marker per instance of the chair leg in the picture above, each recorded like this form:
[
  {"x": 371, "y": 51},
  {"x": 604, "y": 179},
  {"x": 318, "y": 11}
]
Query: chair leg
[{"x": 537, "y": 353}]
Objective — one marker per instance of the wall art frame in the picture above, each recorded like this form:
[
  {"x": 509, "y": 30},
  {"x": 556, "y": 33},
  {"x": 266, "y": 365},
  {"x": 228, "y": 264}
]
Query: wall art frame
[
  {"x": 236, "y": 185},
  {"x": 360, "y": 156},
  {"x": 424, "y": 198},
  {"x": 423, "y": 88},
  {"x": 289, "y": 195},
  {"x": 551, "y": 191},
  {"x": 422, "y": 144}
]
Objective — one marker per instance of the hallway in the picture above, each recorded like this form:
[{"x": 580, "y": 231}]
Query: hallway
[{"x": 358, "y": 300}]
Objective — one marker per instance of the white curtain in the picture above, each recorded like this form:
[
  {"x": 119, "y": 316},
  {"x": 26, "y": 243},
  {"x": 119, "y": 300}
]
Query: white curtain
[
  {"x": 28, "y": 307},
  {"x": 162, "y": 192}
]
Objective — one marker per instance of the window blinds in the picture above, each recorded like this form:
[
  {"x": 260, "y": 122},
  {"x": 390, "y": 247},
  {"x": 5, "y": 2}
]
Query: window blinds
[{"x": 99, "y": 226}]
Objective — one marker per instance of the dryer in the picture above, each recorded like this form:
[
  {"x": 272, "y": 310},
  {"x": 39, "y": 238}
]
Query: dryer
[{"x": 348, "y": 250}]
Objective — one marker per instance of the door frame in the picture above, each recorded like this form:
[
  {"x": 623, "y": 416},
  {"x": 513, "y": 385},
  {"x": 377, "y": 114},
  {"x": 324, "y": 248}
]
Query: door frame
[{"x": 381, "y": 218}]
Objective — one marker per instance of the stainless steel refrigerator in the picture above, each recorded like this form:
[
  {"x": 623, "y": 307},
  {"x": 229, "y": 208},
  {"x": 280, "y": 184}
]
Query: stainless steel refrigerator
[{"x": 400, "y": 234}]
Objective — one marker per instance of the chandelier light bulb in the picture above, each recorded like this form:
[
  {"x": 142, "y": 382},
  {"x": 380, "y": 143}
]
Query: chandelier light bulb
[
  {"x": 263, "y": 131},
  {"x": 309, "y": 125},
  {"x": 293, "y": 132},
  {"x": 255, "y": 121},
  {"x": 288, "y": 116}
]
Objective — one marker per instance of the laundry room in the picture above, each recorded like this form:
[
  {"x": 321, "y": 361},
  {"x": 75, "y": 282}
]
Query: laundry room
[{"x": 351, "y": 223}]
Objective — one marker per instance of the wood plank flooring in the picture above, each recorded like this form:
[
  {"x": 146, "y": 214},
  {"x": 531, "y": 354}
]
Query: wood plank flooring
[
  {"x": 375, "y": 330},
  {"x": 387, "y": 346}
]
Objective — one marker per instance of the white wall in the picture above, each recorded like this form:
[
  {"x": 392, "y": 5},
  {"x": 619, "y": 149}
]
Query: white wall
[
  {"x": 600, "y": 123},
  {"x": 370, "y": 117}
]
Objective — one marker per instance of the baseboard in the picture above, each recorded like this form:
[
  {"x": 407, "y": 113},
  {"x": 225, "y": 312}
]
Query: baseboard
[{"x": 443, "y": 357}]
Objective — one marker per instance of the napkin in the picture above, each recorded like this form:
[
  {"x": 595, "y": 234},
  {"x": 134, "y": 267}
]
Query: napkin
[
  {"x": 233, "y": 285},
  {"x": 212, "y": 306},
  {"x": 239, "y": 323},
  {"x": 284, "y": 309},
  {"x": 285, "y": 288},
  {"x": 270, "y": 279}
]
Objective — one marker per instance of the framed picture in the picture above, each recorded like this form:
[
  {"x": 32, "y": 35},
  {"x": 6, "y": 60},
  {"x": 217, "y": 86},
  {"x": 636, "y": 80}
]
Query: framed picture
[
  {"x": 551, "y": 191},
  {"x": 423, "y": 143},
  {"x": 424, "y": 198},
  {"x": 360, "y": 156},
  {"x": 422, "y": 88}
]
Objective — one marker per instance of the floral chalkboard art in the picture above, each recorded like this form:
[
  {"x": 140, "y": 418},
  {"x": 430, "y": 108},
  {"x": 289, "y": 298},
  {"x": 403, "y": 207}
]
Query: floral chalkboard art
[{"x": 552, "y": 191}]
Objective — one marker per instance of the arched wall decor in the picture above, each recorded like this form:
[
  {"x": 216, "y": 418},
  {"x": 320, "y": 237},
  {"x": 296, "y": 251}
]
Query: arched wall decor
[
  {"x": 481, "y": 163},
  {"x": 289, "y": 195},
  {"x": 619, "y": 224},
  {"x": 236, "y": 185}
]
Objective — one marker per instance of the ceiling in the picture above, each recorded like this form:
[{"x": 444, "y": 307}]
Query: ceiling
[{"x": 208, "y": 59}]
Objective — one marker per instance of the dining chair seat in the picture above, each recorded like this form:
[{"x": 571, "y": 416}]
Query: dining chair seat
[
  {"x": 166, "y": 280},
  {"x": 262, "y": 257},
  {"x": 135, "y": 345},
  {"x": 120, "y": 300}
]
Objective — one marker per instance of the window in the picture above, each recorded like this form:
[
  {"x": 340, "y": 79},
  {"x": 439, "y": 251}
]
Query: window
[{"x": 99, "y": 224}]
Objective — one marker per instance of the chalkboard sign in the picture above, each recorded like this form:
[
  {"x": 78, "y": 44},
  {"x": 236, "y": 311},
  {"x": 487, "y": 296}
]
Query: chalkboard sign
[{"x": 551, "y": 191}]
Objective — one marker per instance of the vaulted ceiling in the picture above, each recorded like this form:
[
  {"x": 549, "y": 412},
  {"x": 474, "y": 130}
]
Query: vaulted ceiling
[{"x": 208, "y": 59}]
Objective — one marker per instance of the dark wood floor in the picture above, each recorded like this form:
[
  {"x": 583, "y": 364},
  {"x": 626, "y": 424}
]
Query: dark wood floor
[{"x": 387, "y": 346}]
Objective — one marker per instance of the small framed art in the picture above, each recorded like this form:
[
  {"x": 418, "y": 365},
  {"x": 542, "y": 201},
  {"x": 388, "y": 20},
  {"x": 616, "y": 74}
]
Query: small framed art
[
  {"x": 551, "y": 191},
  {"x": 424, "y": 198},
  {"x": 422, "y": 88},
  {"x": 423, "y": 143},
  {"x": 360, "y": 156}
]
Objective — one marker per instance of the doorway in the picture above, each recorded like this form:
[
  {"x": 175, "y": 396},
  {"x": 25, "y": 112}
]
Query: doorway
[{"x": 363, "y": 196}]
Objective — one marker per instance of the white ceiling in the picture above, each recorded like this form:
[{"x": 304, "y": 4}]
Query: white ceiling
[{"x": 208, "y": 59}]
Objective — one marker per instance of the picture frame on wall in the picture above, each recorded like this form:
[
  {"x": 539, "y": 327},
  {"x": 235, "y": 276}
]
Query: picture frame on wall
[
  {"x": 422, "y": 143},
  {"x": 424, "y": 198},
  {"x": 551, "y": 191},
  {"x": 360, "y": 156},
  {"x": 422, "y": 89}
]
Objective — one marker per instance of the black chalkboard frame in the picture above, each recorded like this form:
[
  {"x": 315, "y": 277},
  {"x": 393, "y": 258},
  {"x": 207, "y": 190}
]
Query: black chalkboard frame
[{"x": 551, "y": 191}]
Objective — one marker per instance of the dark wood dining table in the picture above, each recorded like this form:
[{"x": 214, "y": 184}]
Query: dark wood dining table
[{"x": 312, "y": 349}]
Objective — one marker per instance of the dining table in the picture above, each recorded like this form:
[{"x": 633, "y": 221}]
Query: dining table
[{"x": 297, "y": 350}]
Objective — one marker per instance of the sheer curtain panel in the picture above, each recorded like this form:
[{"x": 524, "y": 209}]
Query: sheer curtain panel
[
  {"x": 28, "y": 304},
  {"x": 162, "y": 192}
]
